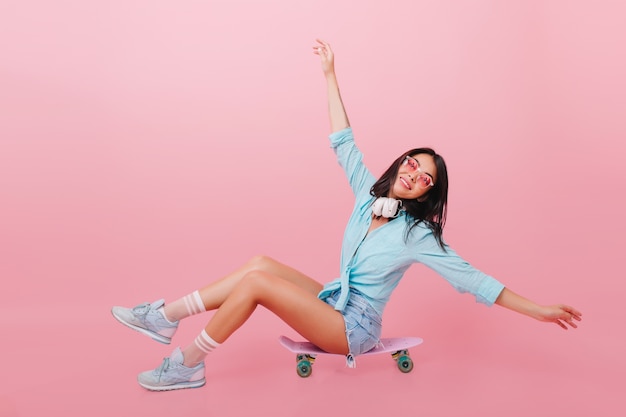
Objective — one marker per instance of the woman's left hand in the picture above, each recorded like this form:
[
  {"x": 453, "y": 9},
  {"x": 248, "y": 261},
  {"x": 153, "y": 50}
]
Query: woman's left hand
[{"x": 560, "y": 314}]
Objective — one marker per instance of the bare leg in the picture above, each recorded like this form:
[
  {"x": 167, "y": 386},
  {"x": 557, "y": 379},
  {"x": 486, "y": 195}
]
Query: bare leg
[
  {"x": 214, "y": 294},
  {"x": 299, "y": 307}
]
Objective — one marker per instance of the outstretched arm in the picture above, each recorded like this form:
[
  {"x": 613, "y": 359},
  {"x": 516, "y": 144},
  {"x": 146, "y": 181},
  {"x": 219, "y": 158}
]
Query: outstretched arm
[
  {"x": 559, "y": 313},
  {"x": 336, "y": 110}
]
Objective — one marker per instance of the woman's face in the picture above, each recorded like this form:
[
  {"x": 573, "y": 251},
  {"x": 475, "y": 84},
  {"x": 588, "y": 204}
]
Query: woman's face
[{"x": 416, "y": 175}]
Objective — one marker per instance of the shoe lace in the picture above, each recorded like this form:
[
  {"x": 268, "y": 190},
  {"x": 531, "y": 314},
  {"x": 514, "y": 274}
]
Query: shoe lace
[
  {"x": 162, "y": 368},
  {"x": 141, "y": 309}
]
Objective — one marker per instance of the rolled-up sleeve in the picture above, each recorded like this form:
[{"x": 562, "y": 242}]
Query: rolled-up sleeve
[
  {"x": 459, "y": 273},
  {"x": 350, "y": 158}
]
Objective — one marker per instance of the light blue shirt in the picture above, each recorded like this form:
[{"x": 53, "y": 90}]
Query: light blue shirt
[{"x": 374, "y": 263}]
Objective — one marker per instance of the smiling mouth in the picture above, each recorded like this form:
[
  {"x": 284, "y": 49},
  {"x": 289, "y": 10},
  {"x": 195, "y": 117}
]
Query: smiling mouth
[{"x": 406, "y": 184}]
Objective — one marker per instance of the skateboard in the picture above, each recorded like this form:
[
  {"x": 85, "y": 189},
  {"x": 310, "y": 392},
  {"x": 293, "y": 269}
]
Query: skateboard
[{"x": 307, "y": 351}]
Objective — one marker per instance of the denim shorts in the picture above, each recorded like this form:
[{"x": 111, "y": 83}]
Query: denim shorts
[{"x": 363, "y": 323}]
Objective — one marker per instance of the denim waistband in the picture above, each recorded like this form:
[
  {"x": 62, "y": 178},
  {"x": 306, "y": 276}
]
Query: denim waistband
[{"x": 356, "y": 298}]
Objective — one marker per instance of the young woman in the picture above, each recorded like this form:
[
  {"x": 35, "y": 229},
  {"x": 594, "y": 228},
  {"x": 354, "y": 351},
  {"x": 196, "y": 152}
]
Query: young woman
[{"x": 397, "y": 221}]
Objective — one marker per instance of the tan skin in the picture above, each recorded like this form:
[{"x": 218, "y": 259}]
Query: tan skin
[
  {"x": 288, "y": 293},
  {"x": 292, "y": 295}
]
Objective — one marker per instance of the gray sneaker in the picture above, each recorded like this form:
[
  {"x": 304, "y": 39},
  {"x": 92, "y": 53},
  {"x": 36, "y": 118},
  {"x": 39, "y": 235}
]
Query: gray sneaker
[
  {"x": 146, "y": 318},
  {"x": 172, "y": 374}
]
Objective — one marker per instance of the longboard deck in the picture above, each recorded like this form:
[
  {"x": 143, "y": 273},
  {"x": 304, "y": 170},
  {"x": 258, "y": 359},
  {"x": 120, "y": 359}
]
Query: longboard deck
[{"x": 388, "y": 345}]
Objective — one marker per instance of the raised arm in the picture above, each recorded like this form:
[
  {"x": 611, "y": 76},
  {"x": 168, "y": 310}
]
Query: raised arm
[
  {"x": 337, "y": 112},
  {"x": 560, "y": 314}
]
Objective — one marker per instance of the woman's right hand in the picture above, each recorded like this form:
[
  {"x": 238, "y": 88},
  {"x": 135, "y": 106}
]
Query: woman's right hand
[
  {"x": 338, "y": 117},
  {"x": 327, "y": 58}
]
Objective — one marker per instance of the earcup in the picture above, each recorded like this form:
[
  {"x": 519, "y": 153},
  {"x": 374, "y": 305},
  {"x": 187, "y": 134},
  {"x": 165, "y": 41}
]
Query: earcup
[{"x": 386, "y": 207}]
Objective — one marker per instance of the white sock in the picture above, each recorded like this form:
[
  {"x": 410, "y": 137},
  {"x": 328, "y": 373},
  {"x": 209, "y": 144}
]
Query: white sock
[
  {"x": 199, "y": 349},
  {"x": 184, "y": 307}
]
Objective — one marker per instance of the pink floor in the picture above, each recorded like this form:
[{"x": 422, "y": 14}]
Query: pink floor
[{"x": 87, "y": 363}]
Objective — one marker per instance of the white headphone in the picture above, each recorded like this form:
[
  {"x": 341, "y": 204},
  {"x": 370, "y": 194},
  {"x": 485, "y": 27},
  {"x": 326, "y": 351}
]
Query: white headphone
[{"x": 386, "y": 207}]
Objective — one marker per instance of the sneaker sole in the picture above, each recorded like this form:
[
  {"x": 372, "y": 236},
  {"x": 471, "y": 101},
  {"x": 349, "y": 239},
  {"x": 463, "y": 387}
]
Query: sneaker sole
[
  {"x": 154, "y": 336},
  {"x": 182, "y": 385}
]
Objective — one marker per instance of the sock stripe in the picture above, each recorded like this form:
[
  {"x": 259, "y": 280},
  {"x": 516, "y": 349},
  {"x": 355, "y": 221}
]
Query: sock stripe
[
  {"x": 199, "y": 302},
  {"x": 187, "y": 305},
  {"x": 205, "y": 343},
  {"x": 193, "y": 303}
]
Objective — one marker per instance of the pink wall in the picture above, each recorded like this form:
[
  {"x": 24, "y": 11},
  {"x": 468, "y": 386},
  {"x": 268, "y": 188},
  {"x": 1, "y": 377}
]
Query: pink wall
[{"x": 147, "y": 147}]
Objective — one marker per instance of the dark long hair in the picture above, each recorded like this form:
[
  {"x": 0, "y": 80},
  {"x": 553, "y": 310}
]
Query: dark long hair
[{"x": 432, "y": 209}]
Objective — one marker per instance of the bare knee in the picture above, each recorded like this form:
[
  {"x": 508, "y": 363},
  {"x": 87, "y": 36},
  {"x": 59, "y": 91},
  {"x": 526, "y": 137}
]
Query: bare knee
[
  {"x": 253, "y": 284},
  {"x": 261, "y": 263}
]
